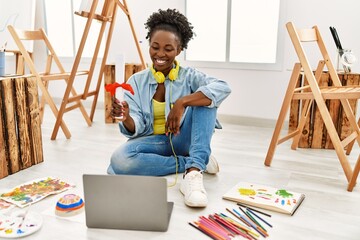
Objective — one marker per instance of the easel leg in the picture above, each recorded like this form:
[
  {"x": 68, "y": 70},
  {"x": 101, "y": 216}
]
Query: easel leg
[
  {"x": 355, "y": 174},
  {"x": 284, "y": 109}
]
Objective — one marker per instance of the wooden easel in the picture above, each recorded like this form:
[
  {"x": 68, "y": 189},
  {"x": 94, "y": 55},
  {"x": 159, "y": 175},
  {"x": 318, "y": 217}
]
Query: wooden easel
[{"x": 108, "y": 15}]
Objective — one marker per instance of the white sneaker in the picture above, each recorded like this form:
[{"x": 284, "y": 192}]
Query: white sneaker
[
  {"x": 193, "y": 189},
  {"x": 212, "y": 167}
]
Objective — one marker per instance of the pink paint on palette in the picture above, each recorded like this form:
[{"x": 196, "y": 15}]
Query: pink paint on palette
[{"x": 5, "y": 205}]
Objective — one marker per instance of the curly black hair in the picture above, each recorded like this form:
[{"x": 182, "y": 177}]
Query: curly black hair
[{"x": 173, "y": 21}]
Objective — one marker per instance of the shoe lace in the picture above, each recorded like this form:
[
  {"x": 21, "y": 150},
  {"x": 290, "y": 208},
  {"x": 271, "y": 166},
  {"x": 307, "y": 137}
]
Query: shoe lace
[{"x": 195, "y": 183}]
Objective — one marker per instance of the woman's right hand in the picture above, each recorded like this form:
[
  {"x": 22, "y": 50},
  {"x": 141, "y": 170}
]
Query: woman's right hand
[{"x": 120, "y": 110}]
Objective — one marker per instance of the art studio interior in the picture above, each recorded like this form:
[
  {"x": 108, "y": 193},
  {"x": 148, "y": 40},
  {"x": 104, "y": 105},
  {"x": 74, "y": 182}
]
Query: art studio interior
[{"x": 125, "y": 119}]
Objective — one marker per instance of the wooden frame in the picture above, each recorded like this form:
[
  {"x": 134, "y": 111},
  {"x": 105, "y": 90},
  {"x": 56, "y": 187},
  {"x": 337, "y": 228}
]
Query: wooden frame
[
  {"x": 48, "y": 75},
  {"x": 313, "y": 93},
  {"x": 108, "y": 15},
  {"x": 71, "y": 99}
]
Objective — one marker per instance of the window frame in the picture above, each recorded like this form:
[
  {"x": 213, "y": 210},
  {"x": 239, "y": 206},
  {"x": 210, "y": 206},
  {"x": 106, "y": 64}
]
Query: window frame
[
  {"x": 75, "y": 39},
  {"x": 277, "y": 66}
]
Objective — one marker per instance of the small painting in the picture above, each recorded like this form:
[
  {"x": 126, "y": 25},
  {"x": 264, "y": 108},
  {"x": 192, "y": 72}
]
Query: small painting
[{"x": 35, "y": 191}]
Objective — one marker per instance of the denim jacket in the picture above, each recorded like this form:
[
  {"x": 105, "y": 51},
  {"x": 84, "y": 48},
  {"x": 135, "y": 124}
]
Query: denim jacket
[{"x": 189, "y": 81}]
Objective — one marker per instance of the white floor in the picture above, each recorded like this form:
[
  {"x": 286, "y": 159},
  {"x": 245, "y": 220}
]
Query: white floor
[{"x": 328, "y": 211}]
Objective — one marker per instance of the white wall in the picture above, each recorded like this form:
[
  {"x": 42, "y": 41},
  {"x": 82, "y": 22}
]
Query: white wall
[{"x": 254, "y": 93}]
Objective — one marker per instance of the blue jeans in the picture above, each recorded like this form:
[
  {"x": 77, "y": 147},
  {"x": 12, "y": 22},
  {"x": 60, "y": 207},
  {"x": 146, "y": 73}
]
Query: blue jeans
[{"x": 153, "y": 156}]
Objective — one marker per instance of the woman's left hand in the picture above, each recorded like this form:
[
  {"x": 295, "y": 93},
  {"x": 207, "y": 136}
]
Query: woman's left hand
[
  {"x": 172, "y": 124},
  {"x": 177, "y": 111}
]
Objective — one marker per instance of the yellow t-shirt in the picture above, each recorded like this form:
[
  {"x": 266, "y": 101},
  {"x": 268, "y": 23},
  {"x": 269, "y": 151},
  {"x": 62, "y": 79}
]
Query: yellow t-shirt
[{"x": 159, "y": 117}]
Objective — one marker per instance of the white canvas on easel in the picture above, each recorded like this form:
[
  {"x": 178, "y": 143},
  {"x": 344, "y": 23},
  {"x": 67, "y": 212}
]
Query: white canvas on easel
[
  {"x": 20, "y": 14},
  {"x": 73, "y": 26},
  {"x": 85, "y": 6}
]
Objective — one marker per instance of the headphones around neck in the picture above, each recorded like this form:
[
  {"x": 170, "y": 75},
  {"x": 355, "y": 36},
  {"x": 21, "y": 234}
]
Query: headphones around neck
[{"x": 159, "y": 76}]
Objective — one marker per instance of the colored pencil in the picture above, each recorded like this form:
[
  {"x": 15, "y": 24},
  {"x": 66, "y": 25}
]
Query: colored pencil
[
  {"x": 212, "y": 232},
  {"x": 236, "y": 223},
  {"x": 240, "y": 218},
  {"x": 232, "y": 230},
  {"x": 214, "y": 226},
  {"x": 235, "y": 226},
  {"x": 255, "y": 210},
  {"x": 226, "y": 224},
  {"x": 244, "y": 227},
  {"x": 217, "y": 226},
  {"x": 203, "y": 231},
  {"x": 254, "y": 220},
  {"x": 253, "y": 225},
  {"x": 243, "y": 231},
  {"x": 248, "y": 209}
]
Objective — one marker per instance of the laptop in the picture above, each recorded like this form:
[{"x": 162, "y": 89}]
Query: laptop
[{"x": 126, "y": 202}]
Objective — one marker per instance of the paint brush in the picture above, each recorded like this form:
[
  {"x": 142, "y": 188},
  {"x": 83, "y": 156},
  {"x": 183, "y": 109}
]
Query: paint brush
[
  {"x": 337, "y": 38},
  {"x": 23, "y": 216}
]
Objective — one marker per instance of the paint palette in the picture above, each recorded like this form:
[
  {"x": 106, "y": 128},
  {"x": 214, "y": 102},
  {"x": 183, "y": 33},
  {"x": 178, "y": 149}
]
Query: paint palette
[{"x": 15, "y": 226}]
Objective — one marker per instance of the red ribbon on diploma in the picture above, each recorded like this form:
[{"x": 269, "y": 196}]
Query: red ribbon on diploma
[{"x": 111, "y": 88}]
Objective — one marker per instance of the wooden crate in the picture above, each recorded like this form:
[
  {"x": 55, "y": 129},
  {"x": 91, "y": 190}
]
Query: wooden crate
[
  {"x": 109, "y": 77},
  {"x": 20, "y": 125},
  {"x": 314, "y": 134}
]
